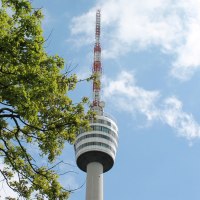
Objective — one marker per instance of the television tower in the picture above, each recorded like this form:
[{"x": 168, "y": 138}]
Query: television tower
[{"x": 95, "y": 150}]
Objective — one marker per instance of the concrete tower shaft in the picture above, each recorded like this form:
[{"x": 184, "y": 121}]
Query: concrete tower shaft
[{"x": 94, "y": 190}]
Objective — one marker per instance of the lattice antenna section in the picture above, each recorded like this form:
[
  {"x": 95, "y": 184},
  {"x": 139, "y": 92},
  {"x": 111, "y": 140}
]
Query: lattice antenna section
[{"x": 97, "y": 104}]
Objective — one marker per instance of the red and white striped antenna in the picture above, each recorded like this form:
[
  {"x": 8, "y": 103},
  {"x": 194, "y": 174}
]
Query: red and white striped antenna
[{"x": 97, "y": 104}]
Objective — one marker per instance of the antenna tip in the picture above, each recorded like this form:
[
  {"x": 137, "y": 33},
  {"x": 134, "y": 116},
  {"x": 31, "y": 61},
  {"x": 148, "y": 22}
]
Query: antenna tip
[{"x": 98, "y": 11}]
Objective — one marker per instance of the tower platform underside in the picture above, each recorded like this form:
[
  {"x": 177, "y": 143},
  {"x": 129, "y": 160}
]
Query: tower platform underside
[{"x": 95, "y": 156}]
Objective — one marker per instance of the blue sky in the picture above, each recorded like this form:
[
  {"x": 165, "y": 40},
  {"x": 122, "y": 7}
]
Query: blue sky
[{"x": 151, "y": 84}]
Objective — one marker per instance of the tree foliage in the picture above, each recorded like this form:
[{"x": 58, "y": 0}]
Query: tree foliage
[{"x": 35, "y": 108}]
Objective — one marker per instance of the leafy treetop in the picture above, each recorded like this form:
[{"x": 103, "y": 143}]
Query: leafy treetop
[{"x": 35, "y": 108}]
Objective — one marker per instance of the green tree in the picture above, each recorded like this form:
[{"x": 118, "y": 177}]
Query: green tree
[{"x": 34, "y": 104}]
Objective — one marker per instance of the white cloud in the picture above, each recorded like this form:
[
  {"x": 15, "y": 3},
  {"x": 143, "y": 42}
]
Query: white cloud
[
  {"x": 77, "y": 27},
  {"x": 175, "y": 117},
  {"x": 127, "y": 96},
  {"x": 130, "y": 25},
  {"x": 188, "y": 53},
  {"x": 130, "y": 97}
]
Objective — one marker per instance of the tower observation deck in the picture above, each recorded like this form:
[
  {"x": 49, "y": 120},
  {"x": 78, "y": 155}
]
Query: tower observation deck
[{"x": 95, "y": 150}]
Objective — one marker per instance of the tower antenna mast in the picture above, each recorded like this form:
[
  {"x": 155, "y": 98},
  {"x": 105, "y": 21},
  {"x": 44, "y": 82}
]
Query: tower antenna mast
[{"x": 97, "y": 104}]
